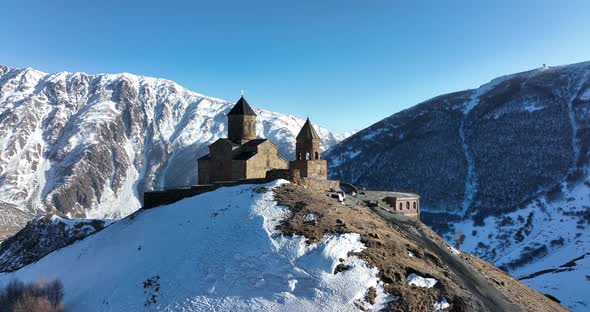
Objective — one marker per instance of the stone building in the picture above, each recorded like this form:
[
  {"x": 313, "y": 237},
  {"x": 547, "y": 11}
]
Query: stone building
[
  {"x": 307, "y": 154},
  {"x": 403, "y": 203},
  {"x": 241, "y": 155}
]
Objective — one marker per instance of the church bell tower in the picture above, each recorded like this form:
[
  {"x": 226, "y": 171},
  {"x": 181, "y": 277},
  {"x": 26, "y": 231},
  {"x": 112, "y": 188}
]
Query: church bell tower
[
  {"x": 307, "y": 154},
  {"x": 241, "y": 121}
]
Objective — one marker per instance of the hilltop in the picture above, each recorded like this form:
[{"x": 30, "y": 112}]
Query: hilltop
[{"x": 274, "y": 246}]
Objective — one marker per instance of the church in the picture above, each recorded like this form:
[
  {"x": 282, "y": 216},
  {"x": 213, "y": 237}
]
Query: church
[{"x": 242, "y": 155}]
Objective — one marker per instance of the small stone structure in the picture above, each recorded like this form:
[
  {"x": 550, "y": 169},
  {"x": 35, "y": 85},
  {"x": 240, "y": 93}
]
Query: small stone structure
[
  {"x": 407, "y": 204},
  {"x": 404, "y": 203}
]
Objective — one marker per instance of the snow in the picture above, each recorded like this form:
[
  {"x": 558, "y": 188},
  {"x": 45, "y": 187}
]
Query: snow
[
  {"x": 219, "y": 251},
  {"x": 531, "y": 107},
  {"x": 419, "y": 281},
  {"x": 344, "y": 157},
  {"x": 471, "y": 179},
  {"x": 310, "y": 217},
  {"x": 552, "y": 220},
  {"x": 411, "y": 254},
  {"x": 372, "y": 134},
  {"x": 585, "y": 95},
  {"x": 474, "y": 101},
  {"x": 71, "y": 223},
  {"x": 569, "y": 286},
  {"x": 454, "y": 250},
  {"x": 441, "y": 304}
]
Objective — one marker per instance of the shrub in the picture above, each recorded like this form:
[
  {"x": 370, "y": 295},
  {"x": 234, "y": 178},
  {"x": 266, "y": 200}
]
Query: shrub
[
  {"x": 528, "y": 255},
  {"x": 38, "y": 296},
  {"x": 557, "y": 242}
]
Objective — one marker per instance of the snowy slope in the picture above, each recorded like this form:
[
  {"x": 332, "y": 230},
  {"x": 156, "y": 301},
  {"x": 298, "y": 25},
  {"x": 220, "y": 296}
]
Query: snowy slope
[
  {"x": 546, "y": 245},
  {"x": 87, "y": 145},
  {"x": 217, "y": 251},
  {"x": 503, "y": 171}
]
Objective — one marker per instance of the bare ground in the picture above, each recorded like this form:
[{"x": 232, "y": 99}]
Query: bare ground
[{"x": 468, "y": 283}]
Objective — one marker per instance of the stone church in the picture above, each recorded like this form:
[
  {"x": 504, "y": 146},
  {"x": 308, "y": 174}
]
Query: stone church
[{"x": 243, "y": 156}]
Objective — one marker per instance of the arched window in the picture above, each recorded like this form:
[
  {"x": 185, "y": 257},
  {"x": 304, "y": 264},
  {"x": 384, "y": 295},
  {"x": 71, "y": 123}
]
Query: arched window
[
  {"x": 407, "y": 205},
  {"x": 298, "y": 156},
  {"x": 317, "y": 155},
  {"x": 415, "y": 205},
  {"x": 306, "y": 156},
  {"x": 401, "y": 206}
]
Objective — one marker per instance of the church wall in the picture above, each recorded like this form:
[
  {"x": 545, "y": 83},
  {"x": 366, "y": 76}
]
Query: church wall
[
  {"x": 203, "y": 171},
  {"x": 265, "y": 160},
  {"x": 220, "y": 163},
  {"x": 238, "y": 170},
  {"x": 311, "y": 168}
]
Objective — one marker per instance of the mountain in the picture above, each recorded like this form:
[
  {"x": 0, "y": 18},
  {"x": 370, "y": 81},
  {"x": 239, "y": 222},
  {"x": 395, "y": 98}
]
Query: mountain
[
  {"x": 502, "y": 170},
  {"x": 42, "y": 236},
  {"x": 89, "y": 145},
  {"x": 273, "y": 247}
]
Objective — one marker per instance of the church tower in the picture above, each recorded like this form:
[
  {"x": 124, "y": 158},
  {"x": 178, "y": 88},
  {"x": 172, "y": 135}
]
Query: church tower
[
  {"x": 307, "y": 146},
  {"x": 241, "y": 121},
  {"x": 307, "y": 154}
]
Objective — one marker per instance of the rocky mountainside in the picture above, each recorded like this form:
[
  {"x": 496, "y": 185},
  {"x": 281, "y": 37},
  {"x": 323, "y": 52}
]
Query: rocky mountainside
[
  {"x": 503, "y": 172},
  {"x": 273, "y": 247},
  {"x": 42, "y": 236},
  {"x": 89, "y": 145}
]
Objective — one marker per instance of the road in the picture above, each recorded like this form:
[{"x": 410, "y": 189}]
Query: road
[{"x": 488, "y": 295}]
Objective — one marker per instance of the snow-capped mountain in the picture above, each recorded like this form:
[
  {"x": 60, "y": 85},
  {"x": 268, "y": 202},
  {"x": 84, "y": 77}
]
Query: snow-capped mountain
[
  {"x": 502, "y": 170},
  {"x": 90, "y": 145}
]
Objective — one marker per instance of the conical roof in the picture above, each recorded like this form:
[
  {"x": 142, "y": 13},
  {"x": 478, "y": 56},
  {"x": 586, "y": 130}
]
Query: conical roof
[
  {"x": 308, "y": 132},
  {"x": 242, "y": 108}
]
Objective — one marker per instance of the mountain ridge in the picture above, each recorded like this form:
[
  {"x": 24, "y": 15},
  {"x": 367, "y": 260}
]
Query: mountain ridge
[{"x": 502, "y": 170}]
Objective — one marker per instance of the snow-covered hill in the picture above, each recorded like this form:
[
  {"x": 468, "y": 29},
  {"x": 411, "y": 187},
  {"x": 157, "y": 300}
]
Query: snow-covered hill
[
  {"x": 89, "y": 145},
  {"x": 502, "y": 170},
  {"x": 217, "y": 251},
  {"x": 257, "y": 248}
]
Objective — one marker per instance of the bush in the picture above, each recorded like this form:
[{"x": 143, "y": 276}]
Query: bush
[{"x": 38, "y": 296}]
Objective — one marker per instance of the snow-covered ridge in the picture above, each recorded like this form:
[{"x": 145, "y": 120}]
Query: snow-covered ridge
[
  {"x": 216, "y": 251},
  {"x": 90, "y": 145}
]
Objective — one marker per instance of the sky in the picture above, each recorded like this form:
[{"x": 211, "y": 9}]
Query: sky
[{"x": 345, "y": 64}]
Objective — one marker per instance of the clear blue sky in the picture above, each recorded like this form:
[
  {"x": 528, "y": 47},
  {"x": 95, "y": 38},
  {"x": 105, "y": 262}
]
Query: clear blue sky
[{"x": 345, "y": 63}]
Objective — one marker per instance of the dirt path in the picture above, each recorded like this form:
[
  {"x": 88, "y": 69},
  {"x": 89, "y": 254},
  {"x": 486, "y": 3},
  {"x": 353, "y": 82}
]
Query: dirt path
[{"x": 490, "y": 297}]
